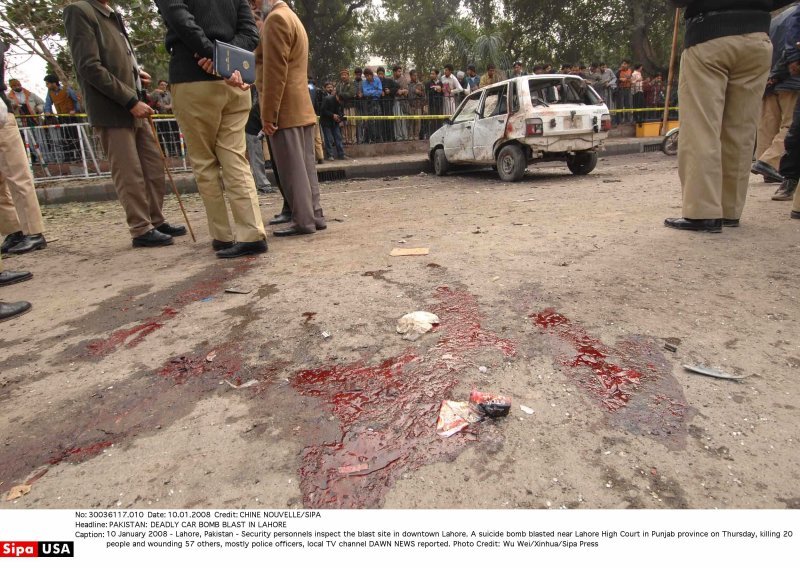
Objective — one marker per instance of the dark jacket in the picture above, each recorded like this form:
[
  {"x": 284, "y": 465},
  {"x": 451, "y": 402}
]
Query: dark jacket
[
  {"x": 330, "y": 106},
  {"x": 192, "y": 27},
  {"x": 712, "y": 19},
  {"x": 780, "y": 54},
  {"x": 103, "y": 63}
]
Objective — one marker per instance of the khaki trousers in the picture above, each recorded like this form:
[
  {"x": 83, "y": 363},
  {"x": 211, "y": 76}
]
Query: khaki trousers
[
  {"x": 19, "y": 207},
  {"x": 777, "y": 111},
  {"x": 212, "y": 116},
  {"x": 721, "y": 85},
  {"x": 137, "y": 171},
  {"x": 319, "y": 154},
  {"x": 293, "y": 152}
]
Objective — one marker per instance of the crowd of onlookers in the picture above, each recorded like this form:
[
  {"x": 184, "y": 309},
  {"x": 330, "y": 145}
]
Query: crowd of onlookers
[{"x": 369, "y": 92}]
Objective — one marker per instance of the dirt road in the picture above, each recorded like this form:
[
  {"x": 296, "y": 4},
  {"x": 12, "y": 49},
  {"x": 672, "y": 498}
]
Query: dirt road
[{"x": 120, "y": 388}]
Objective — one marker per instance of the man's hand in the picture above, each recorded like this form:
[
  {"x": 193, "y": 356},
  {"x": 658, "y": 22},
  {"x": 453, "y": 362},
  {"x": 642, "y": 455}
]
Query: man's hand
[
  {"x": 270, "y": 128},
  {"x": 236, "y": 81},
  {"x": 145, "y": 77},
  {"x": 794, "y": 68},
  {"x": 336, "y": 118},
  {"x": 207, "y": 65},
  {"x": 141, "y": 110}
]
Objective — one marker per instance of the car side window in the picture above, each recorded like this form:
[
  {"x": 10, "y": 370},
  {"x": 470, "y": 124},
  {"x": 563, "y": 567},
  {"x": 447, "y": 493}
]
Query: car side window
[
  {"x": 469, "y": 109},
  {"x": 496, "y": 103}
]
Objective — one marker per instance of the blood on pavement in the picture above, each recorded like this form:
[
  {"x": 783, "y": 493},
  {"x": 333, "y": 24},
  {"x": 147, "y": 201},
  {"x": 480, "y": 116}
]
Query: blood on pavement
[{"x": 387, "y": 412}]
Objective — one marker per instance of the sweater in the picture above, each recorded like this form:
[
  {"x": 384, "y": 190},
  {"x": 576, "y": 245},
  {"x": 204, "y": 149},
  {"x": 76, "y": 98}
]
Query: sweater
[
  {"x": 194, "y": 25},
  {"x": 712, "y": 19}
]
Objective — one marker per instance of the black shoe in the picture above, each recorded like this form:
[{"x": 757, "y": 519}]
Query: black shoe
[
  {"x": 320, "y": 161},
  {"x": 795, "y": 215},
  {"x": 784, "y": 193},
  {"x": 7, "y": 278},
  {"x": 730, "y": 222},
  {"x": 221, "y": 245},
  {"x": 11, "y": 311},
  {"x": 280, "y": 219},
  {"x": 11, "y": 240},
  {"x": 267, "y": 164},
  {"x": 29, "y": 243},
  {"x": 152, "y": 238},
  {"x": 267, "y": 190},
  {"x": 243, "y": 249},
  {"x": 171, "y": 230},
  {"x": 292, "y": 231},
  {"x": 764, "y": 169},
  {"x": 701, "y": 225}
]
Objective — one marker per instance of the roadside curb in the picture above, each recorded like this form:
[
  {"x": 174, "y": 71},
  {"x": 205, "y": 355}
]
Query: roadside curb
[{"x": 103, "y": 189}]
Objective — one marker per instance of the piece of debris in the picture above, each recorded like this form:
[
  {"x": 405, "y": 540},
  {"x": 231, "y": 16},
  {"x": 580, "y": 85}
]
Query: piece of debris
[
  {"x": 237, "y": 291},
  {"x": 479, "y": 231},
  {"x": 483, "y": 369},
  {"x": 247, "y": 385},
  {"x": 671, "y": 347},
  {"x": 490, "y": 405},
  {"x": 714, "y": 373},
  {"x": 211, "y": 356},
  {"x": 525, "y": 409},
  {"x": 422, "y": 174},
  {"x": 402, "y": 242},
  {"x": 454, "y": 417},
  {"x": 415, "y": 324},
  {"x": 17, "y": 491},
  {"x": 391, "y": 178},
  {"x": 348, "y": 469},
  {"x": 326, "y": 335},
  {"x": 410, "y": 252},
  {"x": 612, "y": 181},
  {"x": 338, "y": 220}
]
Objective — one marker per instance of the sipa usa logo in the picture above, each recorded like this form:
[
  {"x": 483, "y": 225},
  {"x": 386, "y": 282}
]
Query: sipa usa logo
[{"x": 52, "y": 549}]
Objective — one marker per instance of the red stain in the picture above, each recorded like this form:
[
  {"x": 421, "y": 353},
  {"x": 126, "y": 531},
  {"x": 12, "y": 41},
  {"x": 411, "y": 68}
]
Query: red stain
[
  {"x": 130, "y": 337},
  {"x": 82, "y": 453},
  {"x": 387, "y": 412},
  {"x": 133, "y": 336},
  {"x": 638, "y": 389}
]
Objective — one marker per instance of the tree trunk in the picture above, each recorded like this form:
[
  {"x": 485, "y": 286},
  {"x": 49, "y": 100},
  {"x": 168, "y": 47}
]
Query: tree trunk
[{"x": 640, "y": 42}]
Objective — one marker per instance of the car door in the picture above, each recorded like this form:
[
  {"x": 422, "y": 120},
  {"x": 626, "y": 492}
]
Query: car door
[
  {"x": 458, "y": 134},
  {"x": 490, "y": 126}
]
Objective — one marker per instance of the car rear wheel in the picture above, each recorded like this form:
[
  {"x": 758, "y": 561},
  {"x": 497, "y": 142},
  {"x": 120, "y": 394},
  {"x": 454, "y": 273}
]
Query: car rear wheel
[
  {"x": 511, "y": 163},
  {"x": 583, "y": 163},
  {"x": 440, "y": 164}
]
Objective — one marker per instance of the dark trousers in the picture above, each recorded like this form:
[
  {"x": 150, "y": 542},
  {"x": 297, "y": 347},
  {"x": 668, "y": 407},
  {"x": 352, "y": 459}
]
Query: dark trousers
[
  {"x": 790, "y": 162},
  {"x": 334, "y": 146}
]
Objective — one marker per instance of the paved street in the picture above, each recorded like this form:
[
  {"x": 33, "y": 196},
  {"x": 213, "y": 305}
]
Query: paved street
[{"x": 137, "y": 381}]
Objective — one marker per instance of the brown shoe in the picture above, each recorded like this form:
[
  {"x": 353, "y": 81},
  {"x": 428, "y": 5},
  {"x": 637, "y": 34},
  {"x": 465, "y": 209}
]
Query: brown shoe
[{"x": 786, "y": 191}]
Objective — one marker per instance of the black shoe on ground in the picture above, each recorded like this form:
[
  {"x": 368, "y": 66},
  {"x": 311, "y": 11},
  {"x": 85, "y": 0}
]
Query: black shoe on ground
[
  {"x": 152, "y": 238},
  {"x": 730, "y": 222},
  {"x": 29, "y": 243},
  {"x": 769, "y": 173},
  {"x": 172, "y": 230},
  {"x": 784, "y": 193},
  {"x": 7, "y": 278},
  {"x": 243, "y": 249},
  {"x": 795, "y": 215},
  {"x": 320, "y": 161},
  {"x": 292, "y": 231},
  {"x": 280, "y": 219},
  {"x": 267, "y": 190},
  {"x": 221, "y": 245},
  {"x": 11, "y": 240},
  {"x": 700, "y": 225},
  {"x": 12, "y": 310}
]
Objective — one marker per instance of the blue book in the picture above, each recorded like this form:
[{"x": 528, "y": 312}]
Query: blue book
[{"x": 229, "y": 58}]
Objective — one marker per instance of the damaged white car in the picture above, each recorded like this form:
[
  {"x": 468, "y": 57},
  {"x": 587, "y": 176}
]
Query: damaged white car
[{"x": 535, "y": 118}]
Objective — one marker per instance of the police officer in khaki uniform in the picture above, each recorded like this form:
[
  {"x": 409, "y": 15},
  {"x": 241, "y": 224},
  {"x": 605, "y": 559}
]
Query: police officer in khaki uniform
[{"x": 724, "y": 68}]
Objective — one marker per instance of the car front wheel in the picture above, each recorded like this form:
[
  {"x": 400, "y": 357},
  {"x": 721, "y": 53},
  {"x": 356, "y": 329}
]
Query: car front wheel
[
  {"x": 440, "y": 164},
  {"x": 583, "y": 163},
  {"x": 511, "y": 163}
]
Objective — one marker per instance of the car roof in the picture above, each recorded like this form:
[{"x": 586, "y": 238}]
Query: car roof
[{"x": 530, "y": 76}]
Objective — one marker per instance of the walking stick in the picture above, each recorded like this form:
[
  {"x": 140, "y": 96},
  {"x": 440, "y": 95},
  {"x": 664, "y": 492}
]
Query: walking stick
[
  {"x": 169, "y": 174},
  {"x": 665, "y": 120}
]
